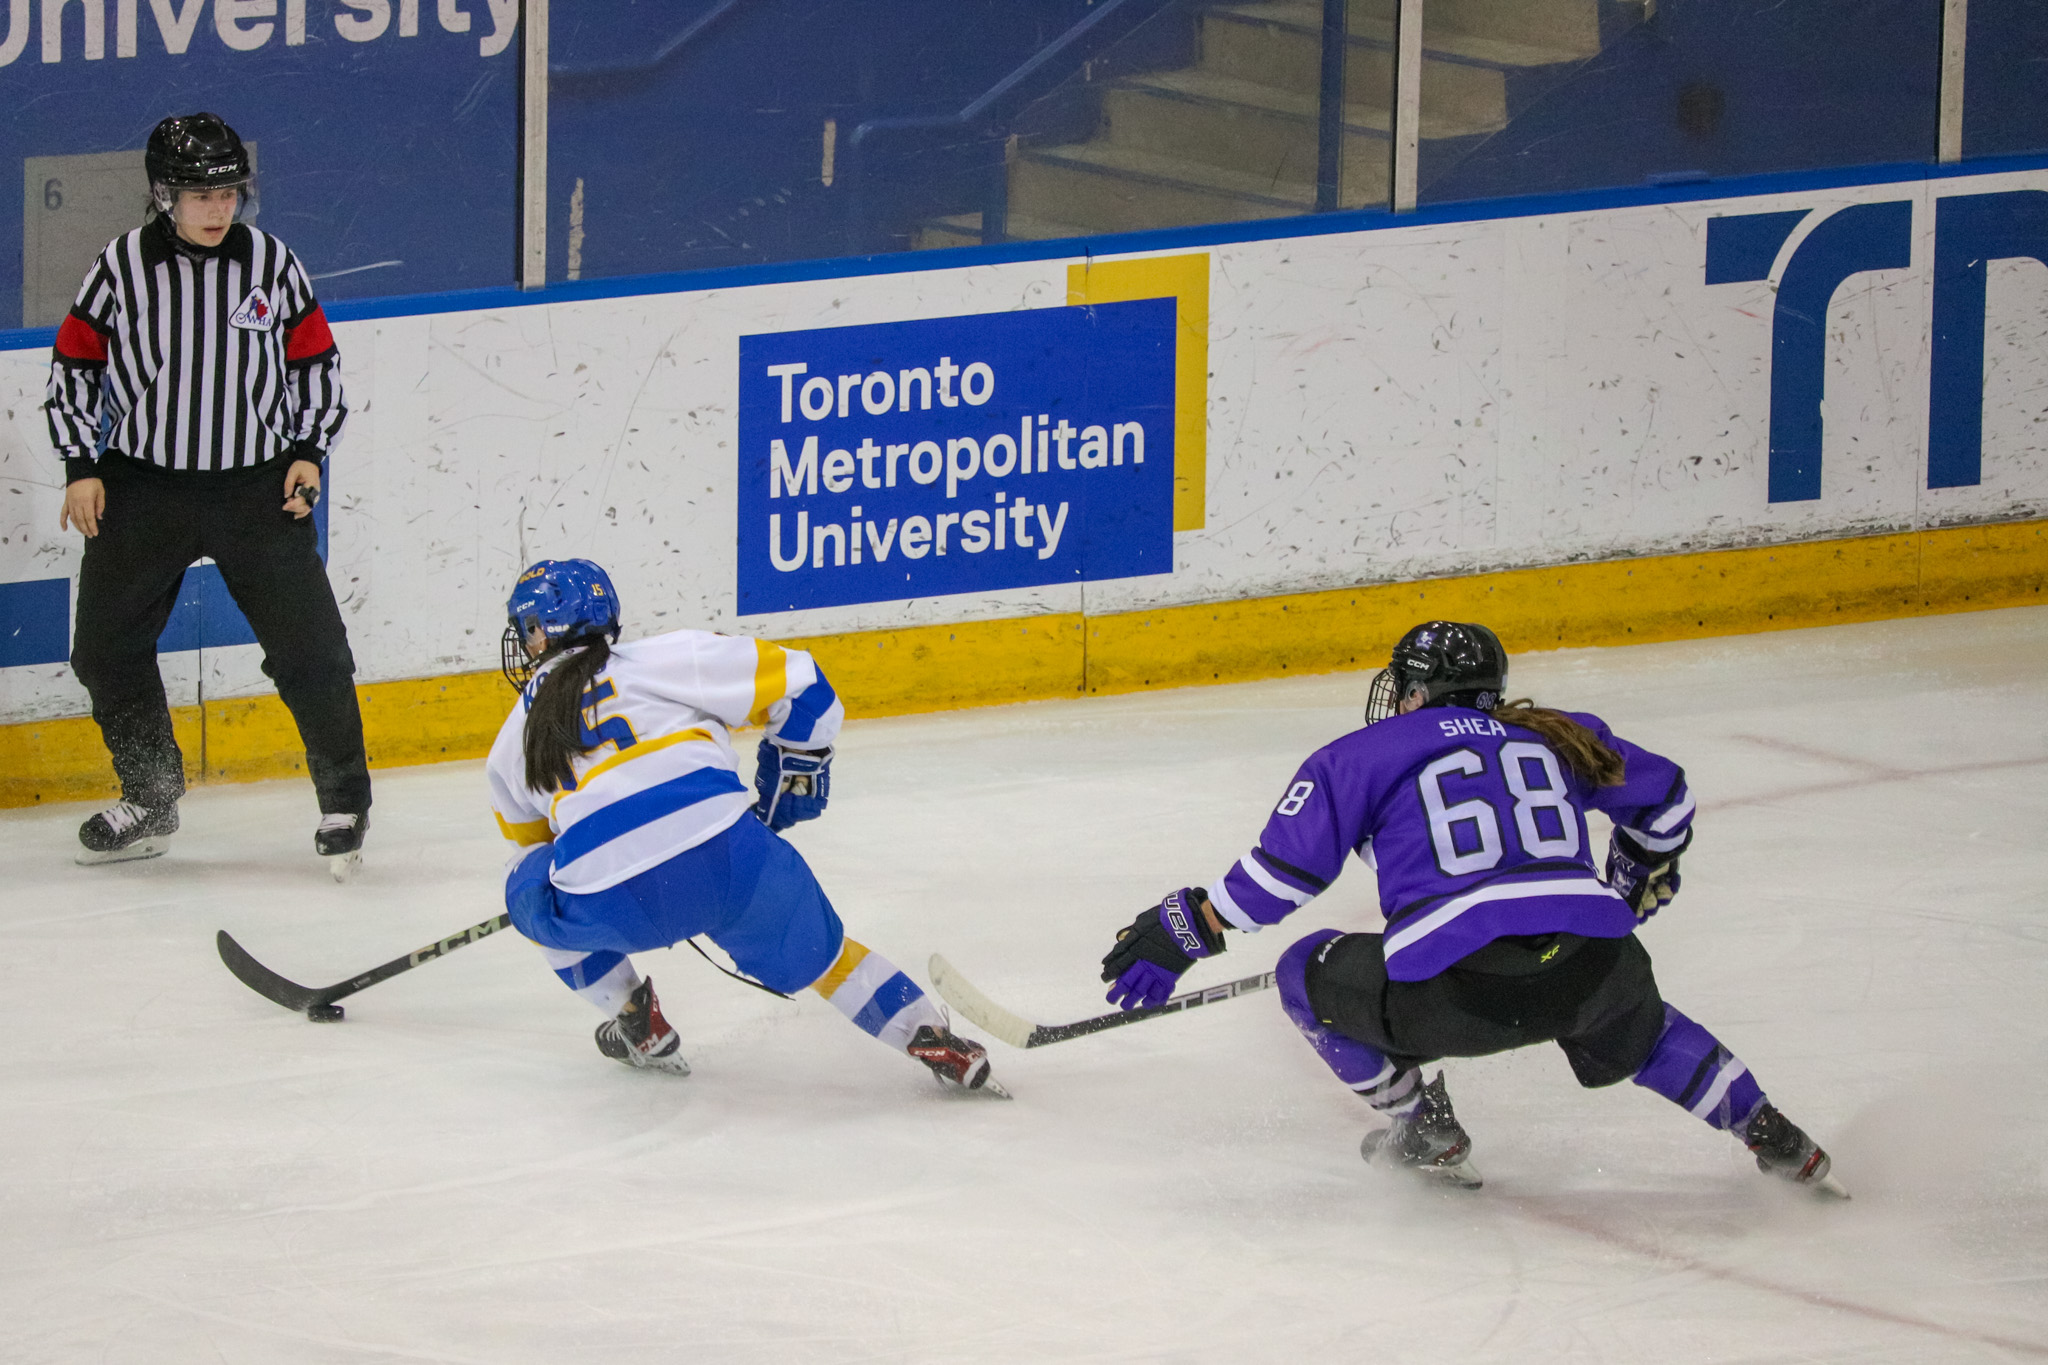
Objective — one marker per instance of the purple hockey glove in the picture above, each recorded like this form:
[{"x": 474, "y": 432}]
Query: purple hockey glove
[
  {"x": 1646, "y": 880},
  {"x": 1146, "y": 962}
]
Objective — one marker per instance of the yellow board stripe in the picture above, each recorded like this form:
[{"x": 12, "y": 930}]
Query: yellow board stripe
[
  {"x": 1185, "y": 279},
  {"x": 526, "y": 831},
  {"x": 849, "y": 957},
  {"x": 771, "y": 679},
  {"x": 640, "y": 750},
  {"x": 983, "y": 663}
]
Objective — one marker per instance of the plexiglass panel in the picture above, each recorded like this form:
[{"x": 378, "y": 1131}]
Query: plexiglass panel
[
  {"x": 689, "y": 134},
  {"x": 2005, "y": 84},
  {"x": 723, "y": 132},
  {"x": 1548, "y": 96},
  {"x": 388, "y": 134},
  {"x": 694, "y": 134}
]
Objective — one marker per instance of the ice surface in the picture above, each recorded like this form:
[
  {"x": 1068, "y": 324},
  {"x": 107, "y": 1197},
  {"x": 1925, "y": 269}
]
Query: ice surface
[{"x": 455, "y": 1174}]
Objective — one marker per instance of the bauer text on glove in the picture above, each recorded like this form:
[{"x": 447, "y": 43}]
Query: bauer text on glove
[{"x": 1149, "y": 956}]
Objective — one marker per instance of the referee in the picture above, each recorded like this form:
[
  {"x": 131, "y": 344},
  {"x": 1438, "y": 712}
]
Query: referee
[{"x": 196, "y": 346}]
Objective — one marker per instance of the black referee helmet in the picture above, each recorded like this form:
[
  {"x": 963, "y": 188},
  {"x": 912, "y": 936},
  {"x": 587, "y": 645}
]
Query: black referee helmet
[{"x": 197, "y": 152}]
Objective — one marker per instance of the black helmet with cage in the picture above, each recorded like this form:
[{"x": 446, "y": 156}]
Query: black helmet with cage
[
  {"x": 1454, "y": 663},
  {"x": 198, "y": 152}
]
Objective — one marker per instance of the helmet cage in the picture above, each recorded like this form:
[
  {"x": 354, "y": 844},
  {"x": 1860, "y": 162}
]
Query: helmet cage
[
  {"x": 1384, "y": 700},
  {"x": 513, "y": 660}
]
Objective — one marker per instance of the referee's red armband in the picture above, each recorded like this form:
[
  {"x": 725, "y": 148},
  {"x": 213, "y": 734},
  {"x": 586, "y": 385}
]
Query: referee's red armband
[
  {"x": 309, "y": 338},
  {"x": 80, "y": 343}
]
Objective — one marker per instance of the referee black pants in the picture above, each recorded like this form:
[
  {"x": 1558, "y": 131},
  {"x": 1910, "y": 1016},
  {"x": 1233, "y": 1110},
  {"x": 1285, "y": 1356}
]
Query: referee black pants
[{"x": 156, "y": 524}]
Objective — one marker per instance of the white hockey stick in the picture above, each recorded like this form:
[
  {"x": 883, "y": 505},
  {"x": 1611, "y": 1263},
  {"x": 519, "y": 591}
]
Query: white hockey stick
[{"x": 1017, "y": 1031}]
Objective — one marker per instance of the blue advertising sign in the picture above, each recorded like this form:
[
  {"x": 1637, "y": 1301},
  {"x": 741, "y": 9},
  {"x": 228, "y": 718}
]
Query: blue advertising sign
[{"x": 968, "y": 454}]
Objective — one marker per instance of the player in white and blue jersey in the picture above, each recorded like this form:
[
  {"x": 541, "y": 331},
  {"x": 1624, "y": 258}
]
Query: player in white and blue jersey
[
  {"x": 616, "y": 773},
  {"x": 1500, "y": 933}
]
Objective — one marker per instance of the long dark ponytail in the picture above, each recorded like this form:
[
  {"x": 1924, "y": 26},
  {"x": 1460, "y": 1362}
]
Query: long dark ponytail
[
  {"x": 1581, "y": 749},
  {"x": 554, "y": 734}
]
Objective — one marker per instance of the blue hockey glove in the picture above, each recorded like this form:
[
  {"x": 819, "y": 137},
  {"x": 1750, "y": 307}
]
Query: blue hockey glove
[
  {"x": 1160, "y": 944},
  {"x": 529, "y": 895},
  {"x": 792, "y": 784},
  {"x": 1646, "y": 880}
]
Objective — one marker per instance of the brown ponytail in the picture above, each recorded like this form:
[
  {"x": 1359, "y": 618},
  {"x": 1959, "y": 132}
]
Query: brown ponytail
[
  {"x": 1579, "y": 747},
  {"x": 553, "y": 734}
]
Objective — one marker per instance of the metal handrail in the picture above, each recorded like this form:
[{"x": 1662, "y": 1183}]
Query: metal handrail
[
  {"x": 1018, "y": 87},
  {"x": 662, "y": 55},
  {"x": 1008, "y": 85},
  {"x": 1330, "y": 106}
]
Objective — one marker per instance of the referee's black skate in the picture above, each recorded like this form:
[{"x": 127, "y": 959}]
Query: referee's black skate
[
  {"x": 340, "y": 838},
  {"x": 640, "y": 1036},
  {"x": 1783, "y": 1149},
  {"x": 1429, "y": 1141},
  {"x": 126, "y": 831}
]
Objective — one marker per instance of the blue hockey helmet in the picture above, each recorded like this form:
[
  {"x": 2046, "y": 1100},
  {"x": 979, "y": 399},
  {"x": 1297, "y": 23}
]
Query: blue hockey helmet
[
  {"x": 564, "y": 599},
  {"x": 1453, "y": 662}
]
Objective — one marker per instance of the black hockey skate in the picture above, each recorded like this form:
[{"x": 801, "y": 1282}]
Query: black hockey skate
[
  {"x": 640, "y": 1037},
  {"x": 1783, "y": 1149},
  {"x": 125, "y": 831},
  {"x": 340, "y": 838},
  {"x": 958, "y": 1063},
  {"x": 1430, "y": 1141}
]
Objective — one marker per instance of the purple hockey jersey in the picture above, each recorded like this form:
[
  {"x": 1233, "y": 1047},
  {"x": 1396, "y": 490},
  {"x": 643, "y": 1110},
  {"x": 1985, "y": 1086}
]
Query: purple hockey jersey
[{"x": 1477, "y": 830}]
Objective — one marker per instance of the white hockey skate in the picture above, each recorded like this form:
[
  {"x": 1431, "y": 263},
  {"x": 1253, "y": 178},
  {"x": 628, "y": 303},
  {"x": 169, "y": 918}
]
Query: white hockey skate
[
  {"x": 1431, "y": 1142},
  {"x": 340, "y": 841},
  {"x": 125, "y": 831}
]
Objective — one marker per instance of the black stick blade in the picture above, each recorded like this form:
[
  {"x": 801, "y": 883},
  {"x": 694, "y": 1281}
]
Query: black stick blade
[{"x": 261, "y": 979}]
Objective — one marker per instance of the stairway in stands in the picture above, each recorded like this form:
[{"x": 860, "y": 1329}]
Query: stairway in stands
[{"x": 1232, "y": 137}]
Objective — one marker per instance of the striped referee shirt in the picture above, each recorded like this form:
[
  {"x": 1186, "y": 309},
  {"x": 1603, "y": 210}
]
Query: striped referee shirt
[{"x": 194, "y": 358}]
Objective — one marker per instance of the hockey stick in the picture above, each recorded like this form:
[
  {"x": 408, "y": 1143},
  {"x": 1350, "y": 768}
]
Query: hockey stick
[
  {"x": 1017, "y": 1031},
  {"x": 318, "y": 1005}
]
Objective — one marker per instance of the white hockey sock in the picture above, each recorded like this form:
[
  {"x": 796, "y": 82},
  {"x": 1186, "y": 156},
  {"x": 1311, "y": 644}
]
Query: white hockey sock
[
  {"x": 605, "y": 979},
  {"x": 1395, "y": 1092},
  {"x": 868, "y": 989}
]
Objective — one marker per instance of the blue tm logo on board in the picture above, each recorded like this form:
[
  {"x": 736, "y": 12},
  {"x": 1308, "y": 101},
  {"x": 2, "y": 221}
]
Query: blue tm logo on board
[{"x": 955, "y": 455}]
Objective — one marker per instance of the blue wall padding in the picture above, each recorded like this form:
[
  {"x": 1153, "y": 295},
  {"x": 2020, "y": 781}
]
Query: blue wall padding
[
  {"x": 206, "y": 617},
  {"x": 35, "y": 622}
]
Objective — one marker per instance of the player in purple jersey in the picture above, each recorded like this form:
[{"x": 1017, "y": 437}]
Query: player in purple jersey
[{"x": 1499, "y": 933}]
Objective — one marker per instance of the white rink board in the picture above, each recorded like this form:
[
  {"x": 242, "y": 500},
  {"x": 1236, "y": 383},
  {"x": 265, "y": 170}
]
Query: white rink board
[
  {"x": 196, "y": 1177},
  {"x": 1384, "y": 405}
]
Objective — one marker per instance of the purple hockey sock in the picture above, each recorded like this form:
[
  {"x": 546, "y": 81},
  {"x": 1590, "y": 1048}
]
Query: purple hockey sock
[
  {"x": 1690, "y": 1068},
  {"x": 1388, "y": 1088}
]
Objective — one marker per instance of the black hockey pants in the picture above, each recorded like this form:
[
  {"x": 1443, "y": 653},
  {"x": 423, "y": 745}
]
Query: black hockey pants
[
  {"x": 1595, "y": 997},
  {"x": 156, "y": 524}
]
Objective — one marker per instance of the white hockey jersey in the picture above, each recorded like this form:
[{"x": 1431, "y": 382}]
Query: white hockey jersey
[{"x": 661, "y": 775}]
